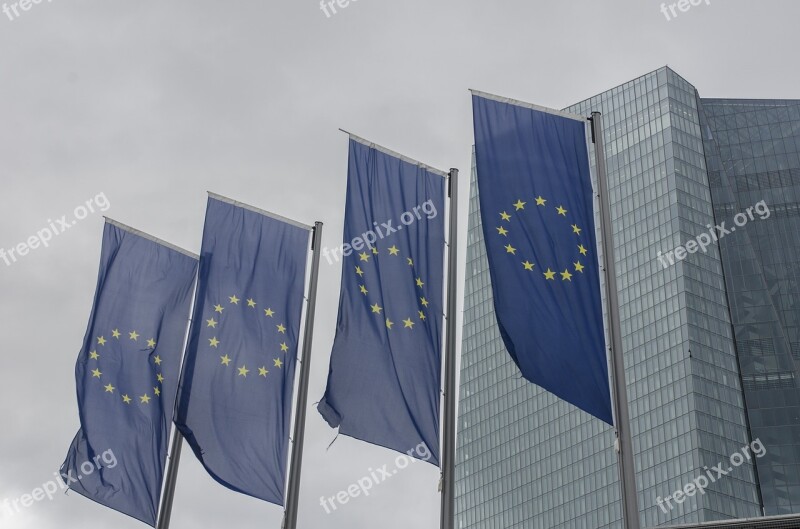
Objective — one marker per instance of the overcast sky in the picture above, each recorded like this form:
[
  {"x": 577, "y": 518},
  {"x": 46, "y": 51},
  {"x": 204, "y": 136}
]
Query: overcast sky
[{"x": 154, "y": 103}]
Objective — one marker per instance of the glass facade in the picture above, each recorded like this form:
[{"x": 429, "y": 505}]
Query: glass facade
[
  {"x": 753, "y": 147},
  {"x": 676, "y": 164}
]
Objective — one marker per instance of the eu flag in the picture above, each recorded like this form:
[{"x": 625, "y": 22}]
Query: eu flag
[
  {"x": 127, "y": 372},
  {"x": 538, "y": 224},
  {"x": 234, "y": 407},
  {"x": 384, "y": 379}
]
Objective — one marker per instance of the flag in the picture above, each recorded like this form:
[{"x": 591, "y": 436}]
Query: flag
[
  {"x": 235, "y": 398},
  {"x": 536, "y": 207},
  {"x": 384, "y": 380},
  {"x": 127, "y": 372}
]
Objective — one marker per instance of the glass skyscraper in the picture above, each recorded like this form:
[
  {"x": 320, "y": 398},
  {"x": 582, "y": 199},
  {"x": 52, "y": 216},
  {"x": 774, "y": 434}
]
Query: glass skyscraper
[{"x": 708, "y": 341}]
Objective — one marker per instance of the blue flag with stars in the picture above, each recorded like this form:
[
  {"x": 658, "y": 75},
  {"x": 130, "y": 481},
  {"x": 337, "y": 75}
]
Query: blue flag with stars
[
  {"x": 385, "y": 368},
  {"x": 234, "y": 407},
  {"x": 127, "y": 372},
  {"x": 537, "y": 213}
]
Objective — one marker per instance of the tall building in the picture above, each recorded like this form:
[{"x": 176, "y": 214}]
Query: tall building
[{"x": 708, "y": 340}]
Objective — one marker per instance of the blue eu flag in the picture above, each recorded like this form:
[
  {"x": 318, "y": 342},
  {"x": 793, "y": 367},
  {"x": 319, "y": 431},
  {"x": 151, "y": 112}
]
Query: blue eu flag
[
  {"x": 384, "y": 379},
  {"x": 127, "y": 372},
  {"x": 538, "y": 224},
  {"x": 234, "y": 407}
]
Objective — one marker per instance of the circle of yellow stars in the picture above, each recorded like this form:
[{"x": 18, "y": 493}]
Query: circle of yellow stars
[
  {"x": 423, "y": 302},
  {"x": 225, "y": 359},
  {"x": 549, "y": 275},
  {"x": 133, "y": 336}
]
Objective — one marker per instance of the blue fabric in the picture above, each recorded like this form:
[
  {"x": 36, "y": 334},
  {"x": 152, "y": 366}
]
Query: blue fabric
[
  {"x": 538, "y": 223},
  {"x": 384, "y": 380},
  {"x": 236, "y": 388},
  {"x": 127, "y": 373}
]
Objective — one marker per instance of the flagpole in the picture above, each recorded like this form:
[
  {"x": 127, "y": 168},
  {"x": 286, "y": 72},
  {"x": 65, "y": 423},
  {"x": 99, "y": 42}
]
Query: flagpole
[
  {"x": 449, "y": 421},
  {"x": 165, "y": 514},
  {"x": 293, "y": 493},
  {"x": 176, "y": 446},
  {"x": 624, "y": 444}
]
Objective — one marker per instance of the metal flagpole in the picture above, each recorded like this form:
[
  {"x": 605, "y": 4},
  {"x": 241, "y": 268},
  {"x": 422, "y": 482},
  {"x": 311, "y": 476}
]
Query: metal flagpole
[
  {"x": 624, "y": 444},
  {"x": 165, "y": 512},
  {"x": 449, "y": 422},
  {"x": 293, "y": 493}
]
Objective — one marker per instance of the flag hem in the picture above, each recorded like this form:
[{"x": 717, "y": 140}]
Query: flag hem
[
  {"x": 149, "y": 237},
  {"x": 260, "y": 211},
  {"x": 523, "y": 104},
  {"x": 390, "y": 152}
]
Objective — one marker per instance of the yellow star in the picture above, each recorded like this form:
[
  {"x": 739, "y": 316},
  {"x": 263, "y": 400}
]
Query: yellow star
[
  {"x": 421, "y": 315},
  {"x": 359, "y": 271},
  {"x": 213, "y": 342},
  {"x": 110, "y": 388},
  {"x": 377, "y": 308},
  {"x": 408, "y": 324},
  {"x": 424, "y": 302},
  {"x": 134, "y": 335},
  {"x": 582, "y": 249},
  {"x": 281, "y": 328},
  {"x": 576, "y": 229},
  {"x": 212, "y": 323},
  {"x": 561, "y": 211},
  {"x": 151, "y": 343},
  {"x": 277, "y": 362},
  {"x": 93, "y": 355},
  {"x": 157, "y": 360},
  {"x": 389, "y": 323},
  {"x": 528, "y": 265},
  {"x": 101, "y": 340},
  {"x": 160, "y": 377},
  {"x": 374, "y": 250},
  {"x": 145, "y": 399},
  {"x": 157, "y": 392},
  {"x": 225, "y": 360},
  {"x": 520, "y": 205},
  {"x": 234, "y": 299},
  {"x": 502, "y": 231},
  {"x": 410, "y": 261},
  {"x": 243, "y": 371},
  {"x": 393, "y": 250},
  {"x": 115, "y": 333},
  {"x": 510, "y": 249},
  {"x": 549, "y": 274},
  {"x": 579, "y": 267},
  {"x": 363, "y": 289},
  {"x": 364, "y": 256},
  {"x": 262, "y": 371},
  {"x": 96, "y": 373},
  {"x": 126, "y": 399},
  {"x": 251, "y": 303},
  {"x": 540, "y": 201},
  {"x": 218, "y": 308},
  {"x": 505, "y": 216},
  {"x": 419, "y": 282},
  {"x": 284, "y": 347},
  {"x": 269, "y": 312},
  {"x": 566, "y": 276}
]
